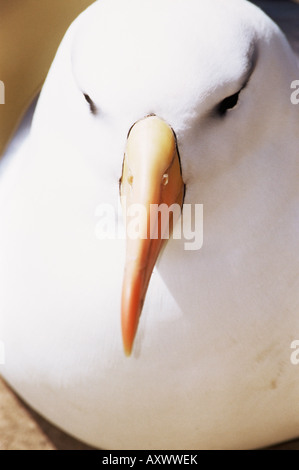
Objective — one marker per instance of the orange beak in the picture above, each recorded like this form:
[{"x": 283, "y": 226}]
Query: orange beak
[{"x": 151, "y": 179}]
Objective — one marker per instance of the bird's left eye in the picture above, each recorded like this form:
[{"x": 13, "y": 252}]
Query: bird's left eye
[
  {"x": 92, "y": 106},
  {"x": 228, "y": 103}
]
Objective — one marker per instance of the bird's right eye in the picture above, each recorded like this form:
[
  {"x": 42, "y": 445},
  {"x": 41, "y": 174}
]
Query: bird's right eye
[
  {"x": 92, "y": 106},
  {"x": 228, "y": 103}
]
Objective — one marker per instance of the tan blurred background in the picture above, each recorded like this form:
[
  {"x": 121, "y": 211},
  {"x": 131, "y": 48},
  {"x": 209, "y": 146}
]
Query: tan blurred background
[
  {"x": 20, "y": 427},
  {"x": 30, "y": 32}
]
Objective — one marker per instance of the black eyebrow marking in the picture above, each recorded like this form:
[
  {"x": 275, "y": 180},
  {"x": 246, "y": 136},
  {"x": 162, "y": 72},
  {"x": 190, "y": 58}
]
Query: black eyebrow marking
[
  {"x": 92, "y": 106},
  {"x": 231, "y": 101}
]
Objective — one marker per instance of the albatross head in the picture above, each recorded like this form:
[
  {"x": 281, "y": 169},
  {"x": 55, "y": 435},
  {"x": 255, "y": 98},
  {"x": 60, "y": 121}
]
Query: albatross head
[{"x": 175, "y": 91}]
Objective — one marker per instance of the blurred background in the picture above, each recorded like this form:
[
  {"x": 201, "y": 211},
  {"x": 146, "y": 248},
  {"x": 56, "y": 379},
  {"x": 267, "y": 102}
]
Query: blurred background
[{"x": 20, "y": 427}]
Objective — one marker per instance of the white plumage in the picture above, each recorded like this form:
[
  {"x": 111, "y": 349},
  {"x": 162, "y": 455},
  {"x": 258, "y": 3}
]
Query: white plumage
[{"x": 211, "y": 363}]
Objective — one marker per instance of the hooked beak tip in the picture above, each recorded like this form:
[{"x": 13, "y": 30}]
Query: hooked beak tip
[{"x": 128, "y": 350}]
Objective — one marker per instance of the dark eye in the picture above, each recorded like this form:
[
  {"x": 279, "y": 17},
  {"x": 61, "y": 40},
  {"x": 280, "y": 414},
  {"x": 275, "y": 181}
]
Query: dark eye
[
  {"x": 92, "y": 106},
  {"x": 228, "y": 103}
]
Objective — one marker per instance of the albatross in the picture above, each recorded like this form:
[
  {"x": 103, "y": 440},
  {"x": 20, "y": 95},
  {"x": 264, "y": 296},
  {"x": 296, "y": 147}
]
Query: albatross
[{"x": 138, "y": 342}]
